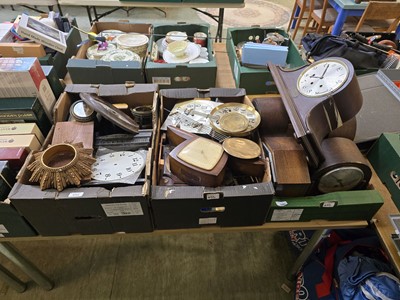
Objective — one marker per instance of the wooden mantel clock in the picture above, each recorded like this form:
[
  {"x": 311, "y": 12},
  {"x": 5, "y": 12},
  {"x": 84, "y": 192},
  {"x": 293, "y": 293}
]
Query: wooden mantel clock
[{"x": 320, "y": 98}]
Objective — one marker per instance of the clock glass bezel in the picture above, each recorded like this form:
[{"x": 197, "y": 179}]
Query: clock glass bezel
[
  {"x": 308, "y": 69},
  {"x": 347, "y": 186}
]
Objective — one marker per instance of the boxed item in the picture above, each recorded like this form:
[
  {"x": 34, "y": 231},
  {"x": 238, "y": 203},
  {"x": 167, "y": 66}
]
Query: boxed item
[
  {"x": 94, "y": 207},
  {"x": 52, "y": 77},
  {"x": 338, "y": 206},
  {"x": 379, "y": 91},
  {"x": 42, "y": 33},
  {"x": 257, "y": 80},
  {"x": 86, "y": 71},
  {"x": 384, "y": 157},
  {"x": 24, "y": 77},
  {"x": 258, "y": 54},
  {"x": 13, "y": 224},
  {"x": 175, "y": 204},
  {"x": 5, "y": 33},
  {"x": 24, "y": 110},
  {"x": 22, "y": 129},
  {"x": 196, "y": 68}
]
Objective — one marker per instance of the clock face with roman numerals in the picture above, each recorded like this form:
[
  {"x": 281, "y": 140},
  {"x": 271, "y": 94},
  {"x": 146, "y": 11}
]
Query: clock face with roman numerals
[
  {"x": 322, "y": 78},
  {"x": 117, "y": 165}
]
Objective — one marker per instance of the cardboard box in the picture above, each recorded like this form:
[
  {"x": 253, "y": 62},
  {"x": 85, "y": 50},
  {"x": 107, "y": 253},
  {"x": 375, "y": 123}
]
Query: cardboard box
[
  {"x": 5, "y": 32},
  {"x": 85, "y": 71},
  {"x": 381, "y": 105},
  {"x": 24, "y": 77},
  {"x": 339, "y": 206},
  {"x": 24, "y": 110},
  {"x": 257, "y": 80},
  {"x": 22, "y": 129},
  {"x": 89, "y": 209},
  {"x": 57, "y": 59},
  {"x": 384, "y": 157},
  {"x": 258, "y": 54},
  {"x": 42, "y": 33},
  {"x": 20, "y": 141},
  {"x": 12, "y": 224},
  {"x": 178, "y": 206},
  {"x": 185, "y": 75},
  {"x": 52, "y": 77}
]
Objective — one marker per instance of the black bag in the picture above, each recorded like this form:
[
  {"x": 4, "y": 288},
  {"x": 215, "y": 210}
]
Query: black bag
[{"x": 361, "y": 56}]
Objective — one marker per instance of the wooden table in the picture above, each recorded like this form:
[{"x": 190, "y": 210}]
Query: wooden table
[
  {"x": 115, "y": 4},
  {"x": 381, "y": 221}
]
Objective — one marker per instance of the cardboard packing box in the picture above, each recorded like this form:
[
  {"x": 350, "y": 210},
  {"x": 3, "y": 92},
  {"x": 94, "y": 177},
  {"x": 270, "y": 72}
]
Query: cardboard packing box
[
  {"x": 182, "y": 75},
  {"x": 22, "y": 129},
  {"x": 86, "y": 71},
  {"x": 338, "y": 206},
  {"x": 257, "y": 80},
  {"x": 384, "y": 156},
  {"x": 24, "y": 110},
  {"x": 24, "y": 77},
  {"x": 89, "y": 209},
  {"x": 53, "y": 58},
  {"x": 177, "y": 206}
]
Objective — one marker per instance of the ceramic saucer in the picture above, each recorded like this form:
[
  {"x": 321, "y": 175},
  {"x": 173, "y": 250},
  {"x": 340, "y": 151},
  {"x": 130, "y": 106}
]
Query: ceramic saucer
[{"x": 192, "y": 52}]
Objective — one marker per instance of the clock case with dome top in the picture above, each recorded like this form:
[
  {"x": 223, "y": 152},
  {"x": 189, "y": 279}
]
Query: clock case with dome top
[{"x": 321, "y": 99}]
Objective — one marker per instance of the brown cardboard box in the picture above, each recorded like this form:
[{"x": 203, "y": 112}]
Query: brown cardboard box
[
  {"x": 88, "y": 71},
  {"x": 89, "y": 209},
  {"x": 195, "y": 206}
]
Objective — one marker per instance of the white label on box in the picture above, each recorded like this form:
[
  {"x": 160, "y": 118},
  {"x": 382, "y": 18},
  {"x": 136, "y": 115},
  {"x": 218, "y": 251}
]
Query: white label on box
[
  {"x": 75, "y": 194},
  {"x": 123, "y": 209},
  {"x": 213, "y": 196},
  {"x": 329, "y": 204},
  {"x": 3, "y": 229},
  {"x": 162, "y": 80},
  {"x": 18, "y": 50},
  {"x": 286, "y": 214},
  {"x": 205, "y": 221}
]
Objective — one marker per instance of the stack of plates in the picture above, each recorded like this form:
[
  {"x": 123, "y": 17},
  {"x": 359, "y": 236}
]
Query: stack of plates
[
  {"x": 93, "y": 52},
  {"x": 134, "y": 42},
  {"x": 121, "y": 55}
]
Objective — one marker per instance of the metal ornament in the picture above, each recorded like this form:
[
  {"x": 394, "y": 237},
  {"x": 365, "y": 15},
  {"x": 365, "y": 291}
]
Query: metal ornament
[{"x": 61, "y": 165}]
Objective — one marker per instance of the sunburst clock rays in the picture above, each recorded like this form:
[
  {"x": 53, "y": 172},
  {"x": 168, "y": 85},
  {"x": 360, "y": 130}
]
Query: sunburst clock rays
[{"x": 61, "y": 165}]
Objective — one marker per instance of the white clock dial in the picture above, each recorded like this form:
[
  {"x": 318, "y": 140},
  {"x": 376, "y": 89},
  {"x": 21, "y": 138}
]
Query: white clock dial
[
  {"x": 322, "y": 78},
  {"x": 117, "y": 165}
]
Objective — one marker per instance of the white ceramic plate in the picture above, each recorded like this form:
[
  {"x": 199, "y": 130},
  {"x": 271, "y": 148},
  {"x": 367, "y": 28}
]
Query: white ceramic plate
[{"x": 192, "y": 52}]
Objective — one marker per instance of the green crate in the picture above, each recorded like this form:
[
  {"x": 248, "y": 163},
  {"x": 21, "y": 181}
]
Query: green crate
[
  {"x": 338, "y": 206},
  {"x": 185, "y": 75},
  {"x": 257, "y": 80}
]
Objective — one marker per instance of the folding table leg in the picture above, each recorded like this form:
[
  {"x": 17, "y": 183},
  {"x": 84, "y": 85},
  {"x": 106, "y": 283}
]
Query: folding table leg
[
  {"x": 11, "y": 280},
  {"x": 9, "y": 251}
]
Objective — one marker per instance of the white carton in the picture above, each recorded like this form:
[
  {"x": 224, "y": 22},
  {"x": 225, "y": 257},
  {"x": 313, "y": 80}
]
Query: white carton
[{"x": 41, "y": 33}]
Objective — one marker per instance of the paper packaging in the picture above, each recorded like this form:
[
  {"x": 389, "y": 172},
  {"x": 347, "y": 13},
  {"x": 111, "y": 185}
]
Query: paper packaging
[
  {"x": 5, "y": 33},
  {"x": 41, "y": 33},
  {"x": 24, "y": 141},
  {"x": 24, "y": 110},
  {"x": 24, "y": 77},
  {"x": 21, "y": 128},
  {"x": 260, "y": 54}
]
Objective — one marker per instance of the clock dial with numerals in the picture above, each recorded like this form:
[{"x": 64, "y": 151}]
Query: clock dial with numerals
[
  {"x": 322, "y": 78},
  {"x": 117, "y": 165}
]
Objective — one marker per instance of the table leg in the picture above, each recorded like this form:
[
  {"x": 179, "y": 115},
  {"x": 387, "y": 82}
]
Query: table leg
[
  {"x": 312, "y": 244},
  {"x": 11, "y": 280},
  {"x": 9, "y": 251},
  {"x": 220, "y": 25},
  {"x": 89, "y": 13},
  {"x": 341, "y": 18}
]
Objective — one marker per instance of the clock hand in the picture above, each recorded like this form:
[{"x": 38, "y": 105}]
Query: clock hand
[{"x": 323, "y": 74}]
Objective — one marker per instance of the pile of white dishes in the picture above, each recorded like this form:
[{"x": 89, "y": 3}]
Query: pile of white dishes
[
  {"x": 134, "y": 42},
  {"x": 193, "y": 53},
  {"x": 121, "y": 55},
  {"x": 97, "y": 52},
  {"x": 111, "y": 34}
]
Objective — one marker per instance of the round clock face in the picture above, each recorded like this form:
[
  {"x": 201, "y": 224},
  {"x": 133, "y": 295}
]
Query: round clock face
[
  {"x": 322, "y": 78},
  {"x": 117, "y": 165},
  {"x": 340, "y": 179}
]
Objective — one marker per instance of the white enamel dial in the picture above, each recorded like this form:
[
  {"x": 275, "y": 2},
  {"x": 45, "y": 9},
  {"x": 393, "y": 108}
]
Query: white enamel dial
[
  {"x": 322, "y": 78},
  {"x": 117, "y": 165}
]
